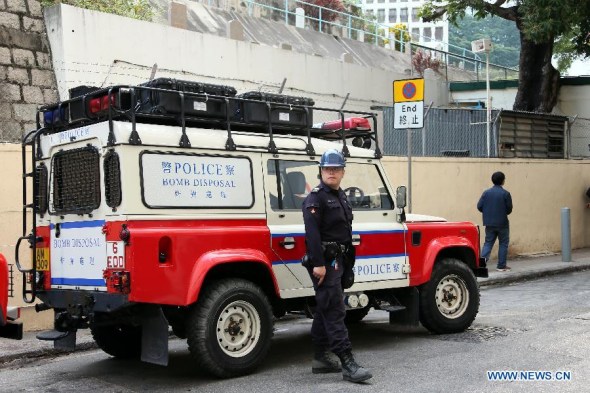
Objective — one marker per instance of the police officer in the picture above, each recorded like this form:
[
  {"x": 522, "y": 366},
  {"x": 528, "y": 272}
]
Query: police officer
[{"x": 328, "y": 229}]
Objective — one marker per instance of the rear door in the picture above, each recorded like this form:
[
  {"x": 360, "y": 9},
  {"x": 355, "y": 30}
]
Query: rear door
[{"x": 78, "y": 247}]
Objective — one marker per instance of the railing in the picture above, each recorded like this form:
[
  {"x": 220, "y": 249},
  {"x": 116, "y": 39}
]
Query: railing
[
  {"x": 322, "y": 19},
  {"x": 351, "y": 26},
  {"x": 476, "y": 67}
]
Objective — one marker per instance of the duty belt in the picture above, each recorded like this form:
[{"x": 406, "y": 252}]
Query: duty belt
[{"x": 333, "y": 250}]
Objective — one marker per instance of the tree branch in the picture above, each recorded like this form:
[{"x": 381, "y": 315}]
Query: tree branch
[{"x": 509, "y": 13}]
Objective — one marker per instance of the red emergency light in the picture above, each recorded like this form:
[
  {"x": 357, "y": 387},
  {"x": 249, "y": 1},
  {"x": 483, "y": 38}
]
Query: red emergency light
[
  {"x": 101, "y": 104},
  {"x": 350, "y": 123}
]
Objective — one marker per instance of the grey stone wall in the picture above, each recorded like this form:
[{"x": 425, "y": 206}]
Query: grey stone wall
[{"x": 26, "y": 75}]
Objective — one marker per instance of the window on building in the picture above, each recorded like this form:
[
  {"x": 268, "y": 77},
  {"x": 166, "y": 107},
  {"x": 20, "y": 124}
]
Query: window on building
[
  {"x": 392, "y": 15},
  {"x": 427, "y": 34},
  {"x": 380, "y": 1},
  {"x": 415, "y": 34},
  {"x": 415, "y": 17},
  {"x": 370, "y": 13},
  {"x": 403, "y": 15},
  {"x": 369, "y": 2},
  {"x": 438, "y": 33},
  {"x": 381, "y": 16}
]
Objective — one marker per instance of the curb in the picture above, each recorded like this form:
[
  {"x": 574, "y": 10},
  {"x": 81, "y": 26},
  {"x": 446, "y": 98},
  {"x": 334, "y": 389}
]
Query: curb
[
  {"x": 40, "y": 353},
  {"x": 523, "y": 276}
]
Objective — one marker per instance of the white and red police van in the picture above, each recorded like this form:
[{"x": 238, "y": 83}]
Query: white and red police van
[{"x": 188, "y": 216}]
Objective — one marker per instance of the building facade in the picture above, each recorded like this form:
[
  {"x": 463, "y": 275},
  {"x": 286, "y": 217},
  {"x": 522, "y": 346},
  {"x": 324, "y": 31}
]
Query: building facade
[{"x": 392, "y": 12}]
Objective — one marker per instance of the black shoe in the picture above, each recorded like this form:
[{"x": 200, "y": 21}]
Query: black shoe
[
  {"x": 324, "y": 363},
  {"x": 351, "y": 370}
]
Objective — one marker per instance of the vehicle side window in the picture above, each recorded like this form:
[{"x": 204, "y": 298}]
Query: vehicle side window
[
  {"x": 365, "y": 188},
  {"x": 294, "y": 181},
  {"x": 362, "y": 184}
]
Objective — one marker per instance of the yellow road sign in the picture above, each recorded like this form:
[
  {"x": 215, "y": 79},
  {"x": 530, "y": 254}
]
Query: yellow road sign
[{"x": 407, "y": 90}]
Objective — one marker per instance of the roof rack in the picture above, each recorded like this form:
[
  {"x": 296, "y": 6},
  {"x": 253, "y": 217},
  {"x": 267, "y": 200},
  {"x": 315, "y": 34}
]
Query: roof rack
[{"x": 127, "y": 103}]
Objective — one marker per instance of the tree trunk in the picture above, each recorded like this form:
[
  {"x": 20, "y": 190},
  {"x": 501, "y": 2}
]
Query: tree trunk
[{"x": 538, "y": 80}]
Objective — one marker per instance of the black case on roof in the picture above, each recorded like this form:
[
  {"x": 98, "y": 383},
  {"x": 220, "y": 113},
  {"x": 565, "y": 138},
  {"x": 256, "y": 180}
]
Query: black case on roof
[
  {"x": 282, "y": 114},
  {"x": 163, "y": 103}
]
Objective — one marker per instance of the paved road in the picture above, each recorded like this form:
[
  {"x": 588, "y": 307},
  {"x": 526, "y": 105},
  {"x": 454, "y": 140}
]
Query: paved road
[{"x": 541, "y": 325}]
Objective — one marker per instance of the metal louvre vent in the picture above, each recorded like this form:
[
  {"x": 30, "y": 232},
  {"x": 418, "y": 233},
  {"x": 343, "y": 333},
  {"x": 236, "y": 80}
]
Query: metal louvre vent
[
  {"x": 40, "y": 190},
  {"x": 112, "y": 179},
  {"x": 76, "y": 181}
]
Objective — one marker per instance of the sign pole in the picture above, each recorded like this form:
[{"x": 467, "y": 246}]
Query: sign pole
[
  {"x": 408, "y": 113},
  {"x": 409, "y": 140},
  {"x": 488, "y": 103}
]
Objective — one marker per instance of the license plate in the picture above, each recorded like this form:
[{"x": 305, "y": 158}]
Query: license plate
[
  {"x": 115, "y": 255},
  {"x": 42, "y": 259}
]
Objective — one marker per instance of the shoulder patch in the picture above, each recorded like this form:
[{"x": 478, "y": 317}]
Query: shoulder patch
[{"x": 316, "y": 189}]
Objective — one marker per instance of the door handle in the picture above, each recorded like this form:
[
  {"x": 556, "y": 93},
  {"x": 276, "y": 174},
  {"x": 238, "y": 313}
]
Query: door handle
[
  {"x": 356, "y": 240},
  {"x": 288, "y": 243}
]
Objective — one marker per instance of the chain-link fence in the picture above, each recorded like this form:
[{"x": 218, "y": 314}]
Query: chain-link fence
[
  {"x": 511, "y": 134},
  {"x": 446, "y": 133},
  {"x": 580, "y": 138}
]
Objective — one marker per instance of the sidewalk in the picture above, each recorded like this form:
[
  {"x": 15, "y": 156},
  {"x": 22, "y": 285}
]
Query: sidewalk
[
  {"x": 535, "y": 266},
  {"x": 523, "y": 268}
]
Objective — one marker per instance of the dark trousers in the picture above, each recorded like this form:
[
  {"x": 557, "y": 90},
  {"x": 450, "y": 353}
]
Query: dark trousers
[
  {"x": 503, "y": 236},
  {"x": 328, "y": 329}
]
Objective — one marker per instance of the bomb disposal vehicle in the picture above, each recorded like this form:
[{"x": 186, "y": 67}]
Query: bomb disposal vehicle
[{"x": 177, "y": 205}]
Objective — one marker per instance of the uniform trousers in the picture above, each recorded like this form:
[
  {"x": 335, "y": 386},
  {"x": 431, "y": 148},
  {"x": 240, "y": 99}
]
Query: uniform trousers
[{"x": 328, "y": 329}]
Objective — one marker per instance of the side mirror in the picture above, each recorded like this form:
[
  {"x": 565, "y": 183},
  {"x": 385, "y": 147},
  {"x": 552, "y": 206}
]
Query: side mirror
[{"x": 400, "y": 197}]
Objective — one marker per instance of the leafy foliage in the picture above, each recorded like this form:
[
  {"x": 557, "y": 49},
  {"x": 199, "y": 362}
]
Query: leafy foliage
[
  {"x": 136, "y": 9},
  {"x": 326, "y": 15},
  {"x": 401, "y": 35},
  {"x": 540, "y": 24},
  {"x": 421, "y": 61},
  {"x": 541, "y": 21},
  {"x": 504, "y": 35}
]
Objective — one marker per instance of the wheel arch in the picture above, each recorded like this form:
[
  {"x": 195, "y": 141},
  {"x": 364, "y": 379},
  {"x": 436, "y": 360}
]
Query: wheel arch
[
  {"x": 251, "y": 265},
  {"x": 448, "y": 247}
]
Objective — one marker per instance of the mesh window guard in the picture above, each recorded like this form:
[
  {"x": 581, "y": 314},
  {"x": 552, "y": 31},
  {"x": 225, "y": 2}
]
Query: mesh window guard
[
  {"x": 112, "y": 179},
  {"x": 76, "y": 181},
  {"x": 40, "y": 190}
]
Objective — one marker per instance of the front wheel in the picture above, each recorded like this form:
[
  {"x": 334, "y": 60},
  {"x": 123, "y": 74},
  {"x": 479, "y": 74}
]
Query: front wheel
[
  {"x": 449, "y": 302},
  {"x": 230, "y": 328}
]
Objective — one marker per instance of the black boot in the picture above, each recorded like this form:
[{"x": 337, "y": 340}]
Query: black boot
[
  {"x": 323, "y": 363},
  {"x": 351, "y": 371}
]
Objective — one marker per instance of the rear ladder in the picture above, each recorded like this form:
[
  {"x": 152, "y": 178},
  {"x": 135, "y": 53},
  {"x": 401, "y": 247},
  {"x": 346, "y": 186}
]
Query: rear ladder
[{"x": 29, "y": 274}]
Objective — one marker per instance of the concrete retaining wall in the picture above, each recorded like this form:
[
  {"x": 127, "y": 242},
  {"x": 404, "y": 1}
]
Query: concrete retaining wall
[{"x": 26, "y": 76}]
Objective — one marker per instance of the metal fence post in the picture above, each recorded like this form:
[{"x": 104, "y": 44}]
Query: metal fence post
[
  {"x": 286, "y": 12},
  {"x": 566, "y": 240},
  {"x": 350, "y": 26},
  {"x": 376, "y": 34},
  {"x": 320, "y": 18}
]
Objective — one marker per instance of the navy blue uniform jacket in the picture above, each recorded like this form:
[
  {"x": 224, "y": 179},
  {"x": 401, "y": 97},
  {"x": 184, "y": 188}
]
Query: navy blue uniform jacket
[
  {"x": 495, "y": 204},
  {"x": 328, "y": 218}
]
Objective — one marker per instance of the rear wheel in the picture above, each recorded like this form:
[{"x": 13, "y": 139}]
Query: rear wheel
[
  {"x": 118, "y": 340},
  {"x": 449, "y": 302},
  {"x": 230, "y": 328}
]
